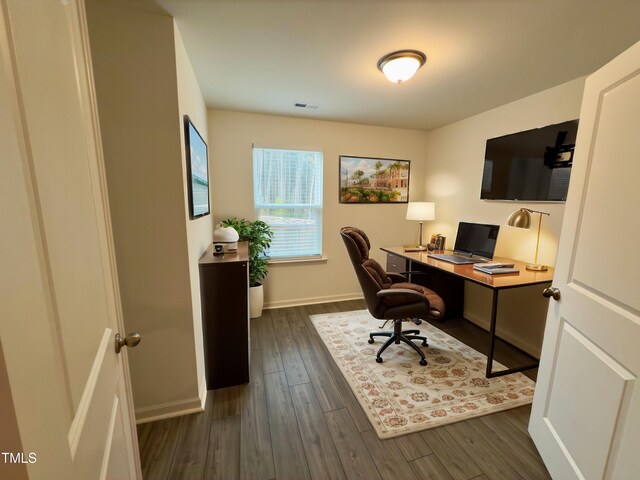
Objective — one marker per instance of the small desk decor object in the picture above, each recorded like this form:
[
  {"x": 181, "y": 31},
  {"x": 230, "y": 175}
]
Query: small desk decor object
[
  {"x": 225, "y": 240},
  {"x": 414, "y": 248},
  {"x": 373, "y": 180},
  {"x": 496, "y": 268},
  {"x": 197, "y": 171}
]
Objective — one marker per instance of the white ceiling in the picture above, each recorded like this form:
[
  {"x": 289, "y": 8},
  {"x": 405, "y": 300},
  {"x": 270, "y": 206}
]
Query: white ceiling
[{"x": 265, "y": 55}]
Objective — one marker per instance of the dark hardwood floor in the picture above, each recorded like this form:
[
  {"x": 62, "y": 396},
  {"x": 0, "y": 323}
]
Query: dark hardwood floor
[{"x": 298, "y": 419}]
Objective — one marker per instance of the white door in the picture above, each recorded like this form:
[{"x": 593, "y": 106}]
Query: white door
[
  {"x": 60, "y": 304},
  {"x": 585, "y": 419}
]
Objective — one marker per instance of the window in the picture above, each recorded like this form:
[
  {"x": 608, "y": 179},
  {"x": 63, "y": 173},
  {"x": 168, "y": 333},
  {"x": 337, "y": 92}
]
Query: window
[{"x": 287, "y": 186}]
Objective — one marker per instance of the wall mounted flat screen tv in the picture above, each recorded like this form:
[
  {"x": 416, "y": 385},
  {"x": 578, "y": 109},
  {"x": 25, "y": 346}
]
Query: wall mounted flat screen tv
[{"x": 534, "y": 165}]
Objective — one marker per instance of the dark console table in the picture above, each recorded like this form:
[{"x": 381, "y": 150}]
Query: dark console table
[{"x": 224, "y": 295}]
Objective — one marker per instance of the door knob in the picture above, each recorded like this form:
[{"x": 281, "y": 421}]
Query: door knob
[
  {"x": 130, "y": 341},
  {"x": 552, "y": 292}
]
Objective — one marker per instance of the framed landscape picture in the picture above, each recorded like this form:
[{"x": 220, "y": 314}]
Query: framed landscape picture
[
  {"x": 373, "y": 180},
  {"x": 197, "y": 171}
]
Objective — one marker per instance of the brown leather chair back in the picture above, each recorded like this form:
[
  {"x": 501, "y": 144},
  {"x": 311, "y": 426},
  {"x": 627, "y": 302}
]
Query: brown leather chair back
[{"x": 371, "y": 275}]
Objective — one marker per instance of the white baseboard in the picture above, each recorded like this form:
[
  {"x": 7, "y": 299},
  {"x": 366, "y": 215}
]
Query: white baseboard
[
  {"x": 171, "y": 409},
  {"x": 518, "y": 342},
  {"x": 313, "y": 300},
  {"x": 203, "y": 392}
]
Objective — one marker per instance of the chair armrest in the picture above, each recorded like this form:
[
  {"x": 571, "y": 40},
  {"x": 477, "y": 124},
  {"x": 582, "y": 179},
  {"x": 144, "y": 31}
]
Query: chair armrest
[
  {"x": 396, "y": 277},
  {"x": 403, "y": 276},
  {"x": 391, "y": 292},
  {"x": 397, "y": 297}
]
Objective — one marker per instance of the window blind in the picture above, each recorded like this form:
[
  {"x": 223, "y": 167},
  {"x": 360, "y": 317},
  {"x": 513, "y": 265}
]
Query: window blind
[{"x": 287, "y": 186}]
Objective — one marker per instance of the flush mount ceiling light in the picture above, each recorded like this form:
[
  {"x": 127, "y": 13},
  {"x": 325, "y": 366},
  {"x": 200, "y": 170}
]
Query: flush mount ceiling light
[{"x": 401, "y": 65}]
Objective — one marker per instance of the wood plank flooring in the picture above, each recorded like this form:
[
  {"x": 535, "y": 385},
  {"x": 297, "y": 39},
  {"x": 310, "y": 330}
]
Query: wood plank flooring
[{"x": 298, "y": 419}]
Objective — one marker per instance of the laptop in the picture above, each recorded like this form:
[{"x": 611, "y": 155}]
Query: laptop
[{"x": 475, "y": 243}]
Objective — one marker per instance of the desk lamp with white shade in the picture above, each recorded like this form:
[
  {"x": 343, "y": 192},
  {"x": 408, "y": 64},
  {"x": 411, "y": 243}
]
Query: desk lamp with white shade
[
  {"x": 421, "y": 212},
  {"x": 521, "y": 218}
]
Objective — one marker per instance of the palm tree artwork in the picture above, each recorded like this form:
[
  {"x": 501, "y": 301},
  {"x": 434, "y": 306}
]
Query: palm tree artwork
[{"x": 373, "y": 180}]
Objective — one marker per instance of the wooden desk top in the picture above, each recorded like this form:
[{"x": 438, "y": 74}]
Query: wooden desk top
[
  {"x": 525, "y": 277},
  {"x": 208, "y": 258}
]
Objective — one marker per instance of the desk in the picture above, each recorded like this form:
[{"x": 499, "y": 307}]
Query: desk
[{"x": 495, "y": 283}]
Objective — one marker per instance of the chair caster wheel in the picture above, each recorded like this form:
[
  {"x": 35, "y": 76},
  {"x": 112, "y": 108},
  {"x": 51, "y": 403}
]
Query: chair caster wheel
[
  {"x": 370, "y": 340},
  {"x": 423, "y": 362},
  {"x": 425, "y": 344},
  {"x": 378, "y": 359}
]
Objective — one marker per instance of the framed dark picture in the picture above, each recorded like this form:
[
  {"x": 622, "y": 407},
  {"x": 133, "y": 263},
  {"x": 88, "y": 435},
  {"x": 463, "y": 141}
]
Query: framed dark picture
[
  {"x": 373, "y": 180},
  {"x": 197, "y": 171}
]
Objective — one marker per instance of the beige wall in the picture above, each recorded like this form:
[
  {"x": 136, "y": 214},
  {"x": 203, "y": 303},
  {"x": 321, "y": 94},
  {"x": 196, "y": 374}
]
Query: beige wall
[
  {"x": 231, "y": 135},
  {"x": 455, "y": 158},
  {"x": 134, "y": 59},
  {"x": 200, "y": 230}
]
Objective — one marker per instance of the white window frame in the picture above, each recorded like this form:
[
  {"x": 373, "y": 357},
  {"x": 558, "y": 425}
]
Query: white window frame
[{"x": 280, "y": 251}]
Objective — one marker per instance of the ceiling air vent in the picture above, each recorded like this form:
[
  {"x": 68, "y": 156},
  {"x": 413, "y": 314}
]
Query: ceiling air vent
[{"x": 308, "y": 106}]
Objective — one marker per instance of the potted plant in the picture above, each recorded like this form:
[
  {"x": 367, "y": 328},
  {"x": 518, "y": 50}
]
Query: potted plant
[{"x": 259, "y": 236}]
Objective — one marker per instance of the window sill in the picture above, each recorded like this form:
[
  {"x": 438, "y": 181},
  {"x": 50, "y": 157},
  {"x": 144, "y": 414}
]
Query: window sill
[{"x": 290, "y": 261}]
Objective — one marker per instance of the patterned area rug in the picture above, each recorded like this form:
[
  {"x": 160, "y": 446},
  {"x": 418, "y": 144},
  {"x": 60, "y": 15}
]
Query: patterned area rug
[{"x": 399, "y": 396}]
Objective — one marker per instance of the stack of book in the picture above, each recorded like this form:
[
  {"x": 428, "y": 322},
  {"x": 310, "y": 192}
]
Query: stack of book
[{"x": 496, "y": 268}]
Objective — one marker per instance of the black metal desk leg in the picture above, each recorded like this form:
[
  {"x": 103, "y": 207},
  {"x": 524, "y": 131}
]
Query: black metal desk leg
[
  {"x": 492, "y": 332},
  {"x": 490, "y": 373}
]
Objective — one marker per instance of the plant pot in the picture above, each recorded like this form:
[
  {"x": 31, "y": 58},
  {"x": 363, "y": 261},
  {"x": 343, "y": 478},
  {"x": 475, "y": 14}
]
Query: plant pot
[{"x": 256, "y": 301}]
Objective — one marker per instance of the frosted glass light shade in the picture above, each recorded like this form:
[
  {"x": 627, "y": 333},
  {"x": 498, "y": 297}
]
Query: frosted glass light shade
[
  {"x": 421, "y": 211},
  {"x": 401, "y": 69},
  {"x": 400, "y": 66}
]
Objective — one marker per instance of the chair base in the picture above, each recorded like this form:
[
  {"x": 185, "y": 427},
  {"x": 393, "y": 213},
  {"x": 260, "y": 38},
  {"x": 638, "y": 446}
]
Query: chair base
[{"x": 398, "y": 335}]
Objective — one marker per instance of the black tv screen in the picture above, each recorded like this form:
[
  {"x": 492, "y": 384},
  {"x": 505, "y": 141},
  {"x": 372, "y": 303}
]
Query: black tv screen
[{"x": 534, "y": 165}]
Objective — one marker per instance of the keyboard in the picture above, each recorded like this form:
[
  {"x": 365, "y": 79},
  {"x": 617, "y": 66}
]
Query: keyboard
[{"x": 456, "y": 258}]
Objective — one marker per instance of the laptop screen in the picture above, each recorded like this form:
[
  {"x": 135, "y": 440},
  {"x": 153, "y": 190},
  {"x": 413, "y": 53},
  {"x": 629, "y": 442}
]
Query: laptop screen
[{"x": 477, "y": 239}]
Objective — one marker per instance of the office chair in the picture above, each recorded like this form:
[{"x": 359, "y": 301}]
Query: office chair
[{"x": 389, "y": 296}]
